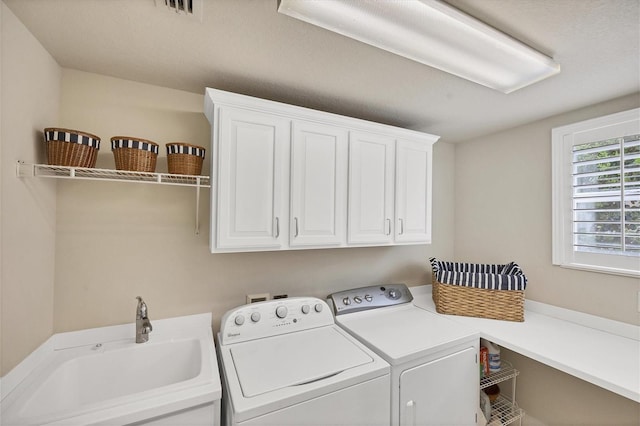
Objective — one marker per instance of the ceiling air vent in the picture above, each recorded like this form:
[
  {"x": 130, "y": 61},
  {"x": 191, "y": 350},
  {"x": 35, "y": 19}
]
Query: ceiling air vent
[{"x": 192, "y": 8}]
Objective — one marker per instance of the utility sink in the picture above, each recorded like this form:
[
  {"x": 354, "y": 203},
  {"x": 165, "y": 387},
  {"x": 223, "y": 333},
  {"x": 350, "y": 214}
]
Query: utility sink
[{"x": 97, "y": 376}]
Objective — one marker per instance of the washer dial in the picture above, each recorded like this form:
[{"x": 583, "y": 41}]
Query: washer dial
[
  {"x": 281, "y": 311},
  {"x": 394, "y": 294}
]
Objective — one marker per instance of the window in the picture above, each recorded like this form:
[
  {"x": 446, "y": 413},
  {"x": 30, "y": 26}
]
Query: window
[{"x": 596, "y": 194}]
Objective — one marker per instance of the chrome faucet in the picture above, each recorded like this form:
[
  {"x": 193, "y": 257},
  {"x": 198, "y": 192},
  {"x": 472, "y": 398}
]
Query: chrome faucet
[{"x": 143, "y": 325}]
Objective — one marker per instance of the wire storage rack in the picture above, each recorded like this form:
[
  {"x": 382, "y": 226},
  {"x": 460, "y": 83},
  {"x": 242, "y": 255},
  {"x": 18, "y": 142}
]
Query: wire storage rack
[
  {"x": 504, "y": 411},
  {"x": 24, "y": 170},
  {"x": 44, "y": 170}
]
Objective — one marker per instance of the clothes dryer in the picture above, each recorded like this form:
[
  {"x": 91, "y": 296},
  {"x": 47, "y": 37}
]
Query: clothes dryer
[{"x": 434, "y": 364}]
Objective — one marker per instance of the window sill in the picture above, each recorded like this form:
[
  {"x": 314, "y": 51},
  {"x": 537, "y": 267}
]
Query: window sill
[{"x": 602, "y": 269}]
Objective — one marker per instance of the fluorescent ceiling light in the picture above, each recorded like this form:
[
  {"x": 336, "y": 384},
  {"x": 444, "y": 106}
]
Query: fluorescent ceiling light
[{"x": 433, "y": 33}]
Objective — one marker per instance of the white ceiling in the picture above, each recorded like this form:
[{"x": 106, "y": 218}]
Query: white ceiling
[{"x": 245, "y": 46}]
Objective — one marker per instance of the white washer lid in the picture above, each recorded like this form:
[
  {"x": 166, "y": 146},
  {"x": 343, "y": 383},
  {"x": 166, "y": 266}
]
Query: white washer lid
[
  {"x": 273, "y": 363},
  {"x": 403, "y": 333}
]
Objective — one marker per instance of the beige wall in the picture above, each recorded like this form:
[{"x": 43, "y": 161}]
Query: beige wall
[
  {"x": 503, "y": 213},
  {"x": 30, "y": 102},
  {"x": 115, "y": 240},
  {"x": 555, "y": 398}
]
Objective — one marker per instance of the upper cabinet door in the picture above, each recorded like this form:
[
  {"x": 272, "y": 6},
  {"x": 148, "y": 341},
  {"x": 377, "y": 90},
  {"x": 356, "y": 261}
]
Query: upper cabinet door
[
  {"x": 413, "y": 192},
  {"x": 253, "y": 160},
  {"x": 318, "y": 185},
  {"x": 371, "y": 186}
]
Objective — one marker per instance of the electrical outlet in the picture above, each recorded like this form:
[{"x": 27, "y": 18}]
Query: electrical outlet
[{"x": 260, "y": 297}]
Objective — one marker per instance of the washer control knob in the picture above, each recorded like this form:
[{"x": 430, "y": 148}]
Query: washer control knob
[
  {"x": 357, "y": 299},
  {"x": 239, "y": 320},
  {"x": 346, "y": 301},
  {"x": 393, "y": 294},
  {"x": 255, "y": 317},
  {"x": 281, "y": 311},
  {"x": 368, "y": 298},
  {"x": 305, "y": 309},
  {"x": 318, "y": 307}
]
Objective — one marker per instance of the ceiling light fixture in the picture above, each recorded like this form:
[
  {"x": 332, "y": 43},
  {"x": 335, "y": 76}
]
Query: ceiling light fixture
[{"x": 433, "y": 33}]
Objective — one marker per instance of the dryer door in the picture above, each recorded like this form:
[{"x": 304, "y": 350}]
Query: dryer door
[{"x": 441, "y": 392}]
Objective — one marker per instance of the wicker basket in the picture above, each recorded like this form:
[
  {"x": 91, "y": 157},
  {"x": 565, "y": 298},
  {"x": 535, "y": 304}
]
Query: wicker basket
[
  {"x": 500, "y": 304},
  {"x": 72, "y": 148},
  {"x": 184, "y": 159},
  {"x": 134, "y": 154}
]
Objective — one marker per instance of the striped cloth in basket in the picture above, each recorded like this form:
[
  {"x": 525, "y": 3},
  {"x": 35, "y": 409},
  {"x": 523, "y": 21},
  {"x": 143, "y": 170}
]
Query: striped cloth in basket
[{"x": 482, "y": 276}]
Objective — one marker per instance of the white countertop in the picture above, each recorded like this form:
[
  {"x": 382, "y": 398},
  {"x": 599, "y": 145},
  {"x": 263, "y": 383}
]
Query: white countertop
[{"x": 600, "y": 351}]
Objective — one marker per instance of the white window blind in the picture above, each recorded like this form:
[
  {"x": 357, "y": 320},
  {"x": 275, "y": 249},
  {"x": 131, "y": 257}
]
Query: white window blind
[
  {"x": 606, "y": 196},
  {"x": 596, "y": 194}
]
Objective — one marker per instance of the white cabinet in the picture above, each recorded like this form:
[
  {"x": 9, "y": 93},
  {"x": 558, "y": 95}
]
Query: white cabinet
[
  {"x": 371, "y": 167},
  {"x": 389, "y": 190},
  {"x": 440, "y": 392},
  {"x": 318, "y": 185},
  {"x": 253, "y": 181},
  {"x": 289, "y": 178},
  {"x": 413, "y": 192}
]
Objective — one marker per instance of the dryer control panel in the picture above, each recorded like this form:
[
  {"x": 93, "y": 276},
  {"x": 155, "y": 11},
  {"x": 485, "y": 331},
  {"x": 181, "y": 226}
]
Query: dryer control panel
[
  {"x": 364, "y": 298},
  {"x": 273, "y": 317}
]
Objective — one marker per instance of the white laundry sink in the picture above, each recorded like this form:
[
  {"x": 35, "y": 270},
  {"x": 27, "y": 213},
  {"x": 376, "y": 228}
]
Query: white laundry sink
[{"x": 115, "y": 380}]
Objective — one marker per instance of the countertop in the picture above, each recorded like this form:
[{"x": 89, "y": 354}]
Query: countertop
[{"x": 600, "y": 351}]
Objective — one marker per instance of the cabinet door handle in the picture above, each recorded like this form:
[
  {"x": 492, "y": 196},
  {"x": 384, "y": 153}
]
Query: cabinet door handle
[
  {"x": 295, "y": 219},
  {"x": 388, "y": 226},
  {"x": 401, "y": 226},
  {"x": 277, "y": 227},
  {"x": 410, "y": 410}
]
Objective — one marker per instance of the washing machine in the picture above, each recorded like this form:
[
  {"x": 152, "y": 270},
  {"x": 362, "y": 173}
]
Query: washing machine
[
  {"x": 286, "y": 362},
  {"x": 434, "y": 360}
]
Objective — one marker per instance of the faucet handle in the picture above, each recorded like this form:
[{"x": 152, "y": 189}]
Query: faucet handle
[{"x": 141, "y": 310}]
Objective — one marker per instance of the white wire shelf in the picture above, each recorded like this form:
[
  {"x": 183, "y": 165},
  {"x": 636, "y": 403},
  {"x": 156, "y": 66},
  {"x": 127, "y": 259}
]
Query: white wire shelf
[
  {"x": 63, "y": 172},
  {"x": 506, "y": 372},
  {"x": 24, "y": 170},
  {"x": 505, "y": 412}
]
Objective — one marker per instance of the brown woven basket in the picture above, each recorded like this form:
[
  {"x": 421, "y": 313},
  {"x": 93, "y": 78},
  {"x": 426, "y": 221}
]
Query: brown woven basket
[
  {"x": 475, "y": 302},
  {"x": 134, "y": 154},
  {"x": 72, "y": 148},
  {"x": 184, "y": 158}
]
